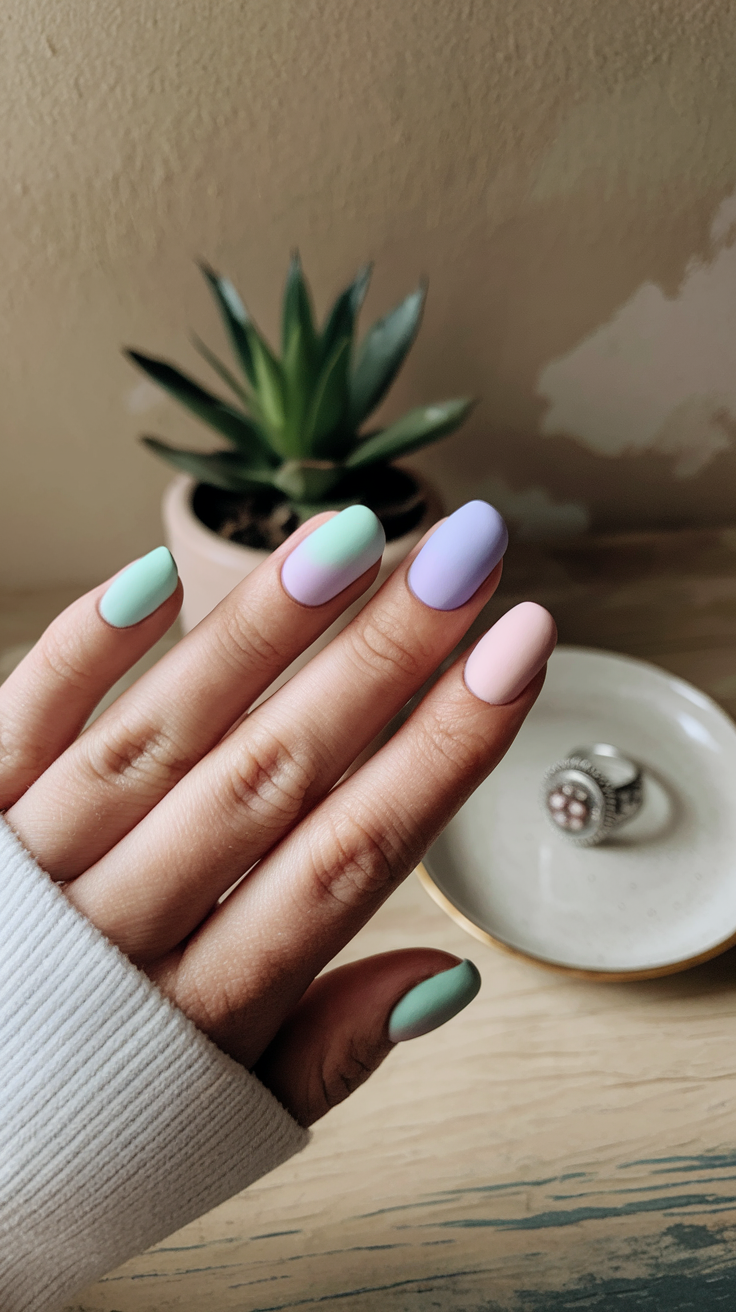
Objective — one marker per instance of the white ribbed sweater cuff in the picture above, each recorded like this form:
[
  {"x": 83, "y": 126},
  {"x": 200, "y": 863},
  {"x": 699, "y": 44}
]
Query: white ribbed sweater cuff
[{"x": 119, "y": 1120}]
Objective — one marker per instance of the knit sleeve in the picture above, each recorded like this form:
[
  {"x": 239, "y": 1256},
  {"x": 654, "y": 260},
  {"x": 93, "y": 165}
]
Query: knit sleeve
[{"x": 119, "y": 1120}]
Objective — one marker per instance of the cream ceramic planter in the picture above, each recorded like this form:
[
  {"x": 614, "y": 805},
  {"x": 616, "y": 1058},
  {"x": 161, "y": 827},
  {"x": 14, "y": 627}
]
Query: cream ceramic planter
[{"x": 210, "y": 566}]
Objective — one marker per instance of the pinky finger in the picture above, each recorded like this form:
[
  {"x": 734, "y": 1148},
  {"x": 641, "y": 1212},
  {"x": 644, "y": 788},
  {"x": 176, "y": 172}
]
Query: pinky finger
[
  {"x": 350, "y": 1018},
  {"x": 48, "y": 697}
]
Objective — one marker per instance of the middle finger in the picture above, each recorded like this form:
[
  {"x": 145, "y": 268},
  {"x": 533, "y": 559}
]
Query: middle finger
[{"x": 163, "y": 878}]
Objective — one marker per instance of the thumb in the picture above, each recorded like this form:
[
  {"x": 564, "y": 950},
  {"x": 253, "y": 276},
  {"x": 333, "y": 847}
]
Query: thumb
[{"x": 350, "y": 1018}]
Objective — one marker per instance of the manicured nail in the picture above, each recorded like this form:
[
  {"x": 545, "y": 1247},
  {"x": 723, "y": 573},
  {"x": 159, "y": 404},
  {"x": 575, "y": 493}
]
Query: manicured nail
[
  {"x": 140, "y": 589},
  {"x": 334, "y": 555},
  {"x": 459, "y": 555},
  {"x": 433, "y": 1002},
  {"x": 510, "y": 653}
]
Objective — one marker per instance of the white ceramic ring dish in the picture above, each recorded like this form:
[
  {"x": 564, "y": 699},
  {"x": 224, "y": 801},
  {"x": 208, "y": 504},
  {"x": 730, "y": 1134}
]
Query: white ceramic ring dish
[{"x": 660, "y": 894}]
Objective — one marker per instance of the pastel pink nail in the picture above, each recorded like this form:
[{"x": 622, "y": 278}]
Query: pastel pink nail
[{"x": 510, "y": 654}]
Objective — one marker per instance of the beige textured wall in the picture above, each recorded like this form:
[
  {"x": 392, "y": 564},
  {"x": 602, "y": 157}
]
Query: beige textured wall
[{"x": 563, "y": 171}]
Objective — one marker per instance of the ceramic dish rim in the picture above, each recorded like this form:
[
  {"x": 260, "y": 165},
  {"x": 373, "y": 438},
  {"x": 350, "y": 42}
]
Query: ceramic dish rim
[{"x": 588, "y": 972}]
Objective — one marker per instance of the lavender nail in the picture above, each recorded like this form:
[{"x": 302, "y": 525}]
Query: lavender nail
[{"x": 459, "y": 555}]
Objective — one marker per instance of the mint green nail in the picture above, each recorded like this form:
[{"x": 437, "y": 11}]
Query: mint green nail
[
  {"x": 433, "y": 1002},
  {"x": 140, "y": 589}
]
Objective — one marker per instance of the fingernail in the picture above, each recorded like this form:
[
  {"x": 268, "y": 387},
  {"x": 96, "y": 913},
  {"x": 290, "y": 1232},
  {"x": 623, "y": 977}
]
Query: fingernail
[
  {"x": 333, "y": 556},
  {"x": 433, "y": 1002},
  {"x": 140, "y": 589},
  {"x": 459, "y": 555},
  {"x": 511, "y": 653}
]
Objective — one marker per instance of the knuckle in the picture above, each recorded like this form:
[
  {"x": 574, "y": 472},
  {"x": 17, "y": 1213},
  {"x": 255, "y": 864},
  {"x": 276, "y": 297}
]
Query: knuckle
[
  {"x": 141, "y": 756},
  {"x": 63, "y": 659},
  {"x": 356, "y": 1063},
  {"x": 356, "y": 862},
  {"x": 384, "y": 649},
  {"x": 242, "y": 642},
  {"x": 454, "y": 739},
  {"x": 271, "y": 780}
]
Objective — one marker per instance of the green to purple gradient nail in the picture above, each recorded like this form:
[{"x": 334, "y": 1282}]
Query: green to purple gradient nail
[
  {"x": 459, "y": 556},
  {"x": 140, "y": 589},
  {"x": 333, "y": 556},
  {"x": 433, "y": 1002}
]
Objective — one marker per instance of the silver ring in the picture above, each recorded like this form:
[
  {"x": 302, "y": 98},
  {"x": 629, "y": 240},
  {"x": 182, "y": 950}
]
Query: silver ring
[{"x": 593, "y": 791}]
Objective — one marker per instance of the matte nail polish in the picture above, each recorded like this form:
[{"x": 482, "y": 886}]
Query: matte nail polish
[
  {"x": 333, "y": 556},
  {"x": 140, "y": 589},
  {"x": 460, "y": 554},
  {"x": 433, "y": 1002},
  {"x": 511, "y": 653}
]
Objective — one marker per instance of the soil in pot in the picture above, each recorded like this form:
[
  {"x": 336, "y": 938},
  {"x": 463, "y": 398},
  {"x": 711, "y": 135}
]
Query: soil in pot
[{"x": 264, "y": 520}]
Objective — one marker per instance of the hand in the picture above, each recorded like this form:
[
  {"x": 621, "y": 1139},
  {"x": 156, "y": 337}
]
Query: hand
[{"x": 151, "y": 814}]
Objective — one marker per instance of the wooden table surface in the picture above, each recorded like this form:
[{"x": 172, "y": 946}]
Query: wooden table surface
[{"x": 560, "y": 1145}]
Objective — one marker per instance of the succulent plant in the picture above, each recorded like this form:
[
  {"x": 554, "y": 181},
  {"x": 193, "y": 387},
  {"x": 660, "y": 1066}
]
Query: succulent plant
[{"x": 295, "y": 425}]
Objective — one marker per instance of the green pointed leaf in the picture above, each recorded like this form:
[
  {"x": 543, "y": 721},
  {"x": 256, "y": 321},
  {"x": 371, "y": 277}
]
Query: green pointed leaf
[
  {"x": 224, "y": 469},
  {"x": 382, "y": 353},
  {"x": 326, "y": 432},
  {"x": 233, "y": 424},
  {"x": 220, "y": 369},
  {"x": 234, "y": 316},
  {"x": 299, "y": 381},
  {"x": 300, "y": 356},
  {"x": 415, "y": 429},
  {"x": 269, "y": 388},
  {"x": 344, "y": 313},
  {"x": 297, "y": 312}
]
